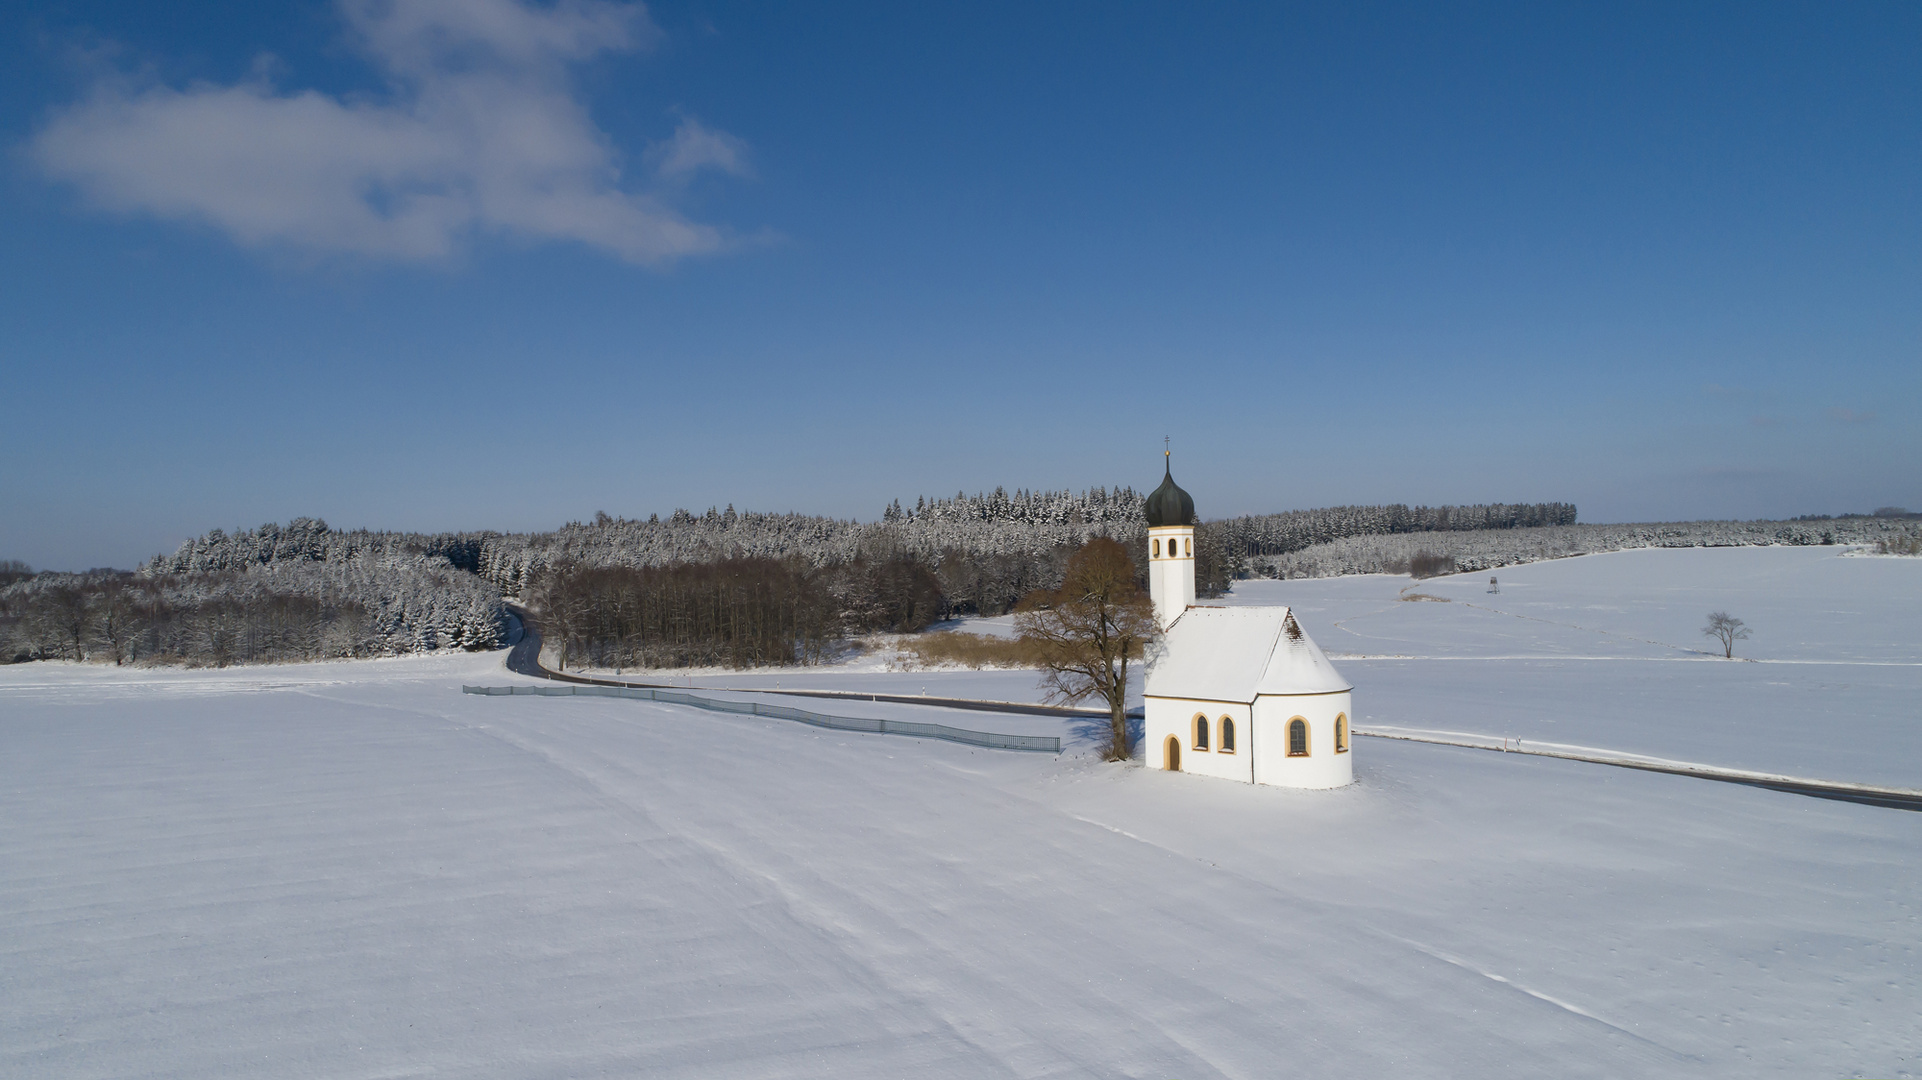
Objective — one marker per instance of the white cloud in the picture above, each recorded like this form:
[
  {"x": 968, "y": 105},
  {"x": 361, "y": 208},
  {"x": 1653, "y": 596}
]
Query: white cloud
[
  {"x": 482, "y": 133},
  {"x": 695, "y": 147}
]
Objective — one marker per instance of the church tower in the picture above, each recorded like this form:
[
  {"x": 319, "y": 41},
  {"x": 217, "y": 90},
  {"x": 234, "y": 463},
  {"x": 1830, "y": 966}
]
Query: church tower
[{"x": 1171, "y": 548}]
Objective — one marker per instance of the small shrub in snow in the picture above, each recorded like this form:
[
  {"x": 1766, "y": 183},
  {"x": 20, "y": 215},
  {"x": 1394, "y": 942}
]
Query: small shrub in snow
[{"x": 954, "y": 648}]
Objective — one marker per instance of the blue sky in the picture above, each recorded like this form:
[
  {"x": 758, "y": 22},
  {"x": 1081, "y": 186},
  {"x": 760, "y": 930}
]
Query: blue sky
[{"x": 458, "y": 264}]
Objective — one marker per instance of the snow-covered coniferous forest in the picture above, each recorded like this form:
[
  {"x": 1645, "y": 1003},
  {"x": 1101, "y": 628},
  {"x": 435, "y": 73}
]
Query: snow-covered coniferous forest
[{"x": 747, "y": 589}]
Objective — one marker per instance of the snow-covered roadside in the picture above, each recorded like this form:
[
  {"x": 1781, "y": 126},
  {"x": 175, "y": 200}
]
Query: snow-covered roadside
[{"x": 1008, "y": 684}]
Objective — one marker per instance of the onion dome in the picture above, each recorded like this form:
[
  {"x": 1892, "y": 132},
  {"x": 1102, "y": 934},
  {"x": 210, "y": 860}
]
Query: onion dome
[{"x": 1169, "y": 505}]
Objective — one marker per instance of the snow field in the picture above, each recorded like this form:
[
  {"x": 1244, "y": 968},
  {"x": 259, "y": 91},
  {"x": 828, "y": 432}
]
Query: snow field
[
  {"x": 355, "y": 870},
  {"x": 1606, "y": 651},
  {"x": 1801, "y": 605}
]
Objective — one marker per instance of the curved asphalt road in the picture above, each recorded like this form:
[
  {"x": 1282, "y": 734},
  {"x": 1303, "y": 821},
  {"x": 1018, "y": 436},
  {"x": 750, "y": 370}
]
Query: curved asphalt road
[{"x": 524, "y": 658}]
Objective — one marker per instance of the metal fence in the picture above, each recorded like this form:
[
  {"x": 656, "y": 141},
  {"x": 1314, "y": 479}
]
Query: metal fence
[{"x": 1048, "y": 744}]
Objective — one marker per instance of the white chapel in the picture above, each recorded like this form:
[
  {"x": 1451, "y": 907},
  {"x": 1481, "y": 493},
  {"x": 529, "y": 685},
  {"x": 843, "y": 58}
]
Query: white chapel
[{"x": 1241, "y": 693}]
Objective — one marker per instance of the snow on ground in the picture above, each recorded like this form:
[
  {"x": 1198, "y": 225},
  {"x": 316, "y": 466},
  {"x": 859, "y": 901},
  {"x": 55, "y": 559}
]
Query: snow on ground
[
  {"x": 355, "y": 870},
  {"x": 1606, "y": 651},
  {"x": 1602, "y": 651},
  {"x": 1801, "y": 605},
  {"x": 994, "y": 626}
]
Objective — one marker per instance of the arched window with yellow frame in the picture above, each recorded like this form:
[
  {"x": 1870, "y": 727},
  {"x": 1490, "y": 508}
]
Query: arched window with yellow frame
[
  {"x": 1298, "y": 737},
  {"x": 1227, "y": 739},
  {"x": 1157, "y": 550},
  {"x": 1201, "y": 732},
  {"x": 1341, "y": 733}
]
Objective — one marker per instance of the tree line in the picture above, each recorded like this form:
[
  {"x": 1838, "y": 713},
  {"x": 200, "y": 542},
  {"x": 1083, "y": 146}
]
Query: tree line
[
  {"x": 737, "y": 612},
  {"x": 715, "y": 588},
  {"x": 363, "y": 605},
  {"x": 116, "y": 617},
  {"x": 1245, "y": 538},
  {"x": 1429, "y": 553}
]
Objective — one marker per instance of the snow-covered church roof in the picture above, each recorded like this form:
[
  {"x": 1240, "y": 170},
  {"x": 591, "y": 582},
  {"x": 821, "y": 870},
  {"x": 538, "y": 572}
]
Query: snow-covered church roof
[{"x": 1235, "y": 654}]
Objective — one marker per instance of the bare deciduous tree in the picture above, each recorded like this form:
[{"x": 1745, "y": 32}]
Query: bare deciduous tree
[
  {"x": 1725, "y": 629},
  {"x": 562, "y": 609},
  {"x": 69, "y": 610},
  {"x": 1087, "y": 630},
  {"x": 116, "y": 619}
]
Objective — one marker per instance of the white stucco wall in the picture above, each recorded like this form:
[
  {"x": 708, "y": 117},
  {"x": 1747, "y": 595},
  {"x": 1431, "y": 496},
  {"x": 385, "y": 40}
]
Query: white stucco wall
[
  {"x": 1323, "y": 767},
  {"x": 1163, "y": 717},
  {"x": 1171, "y": 577}
]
